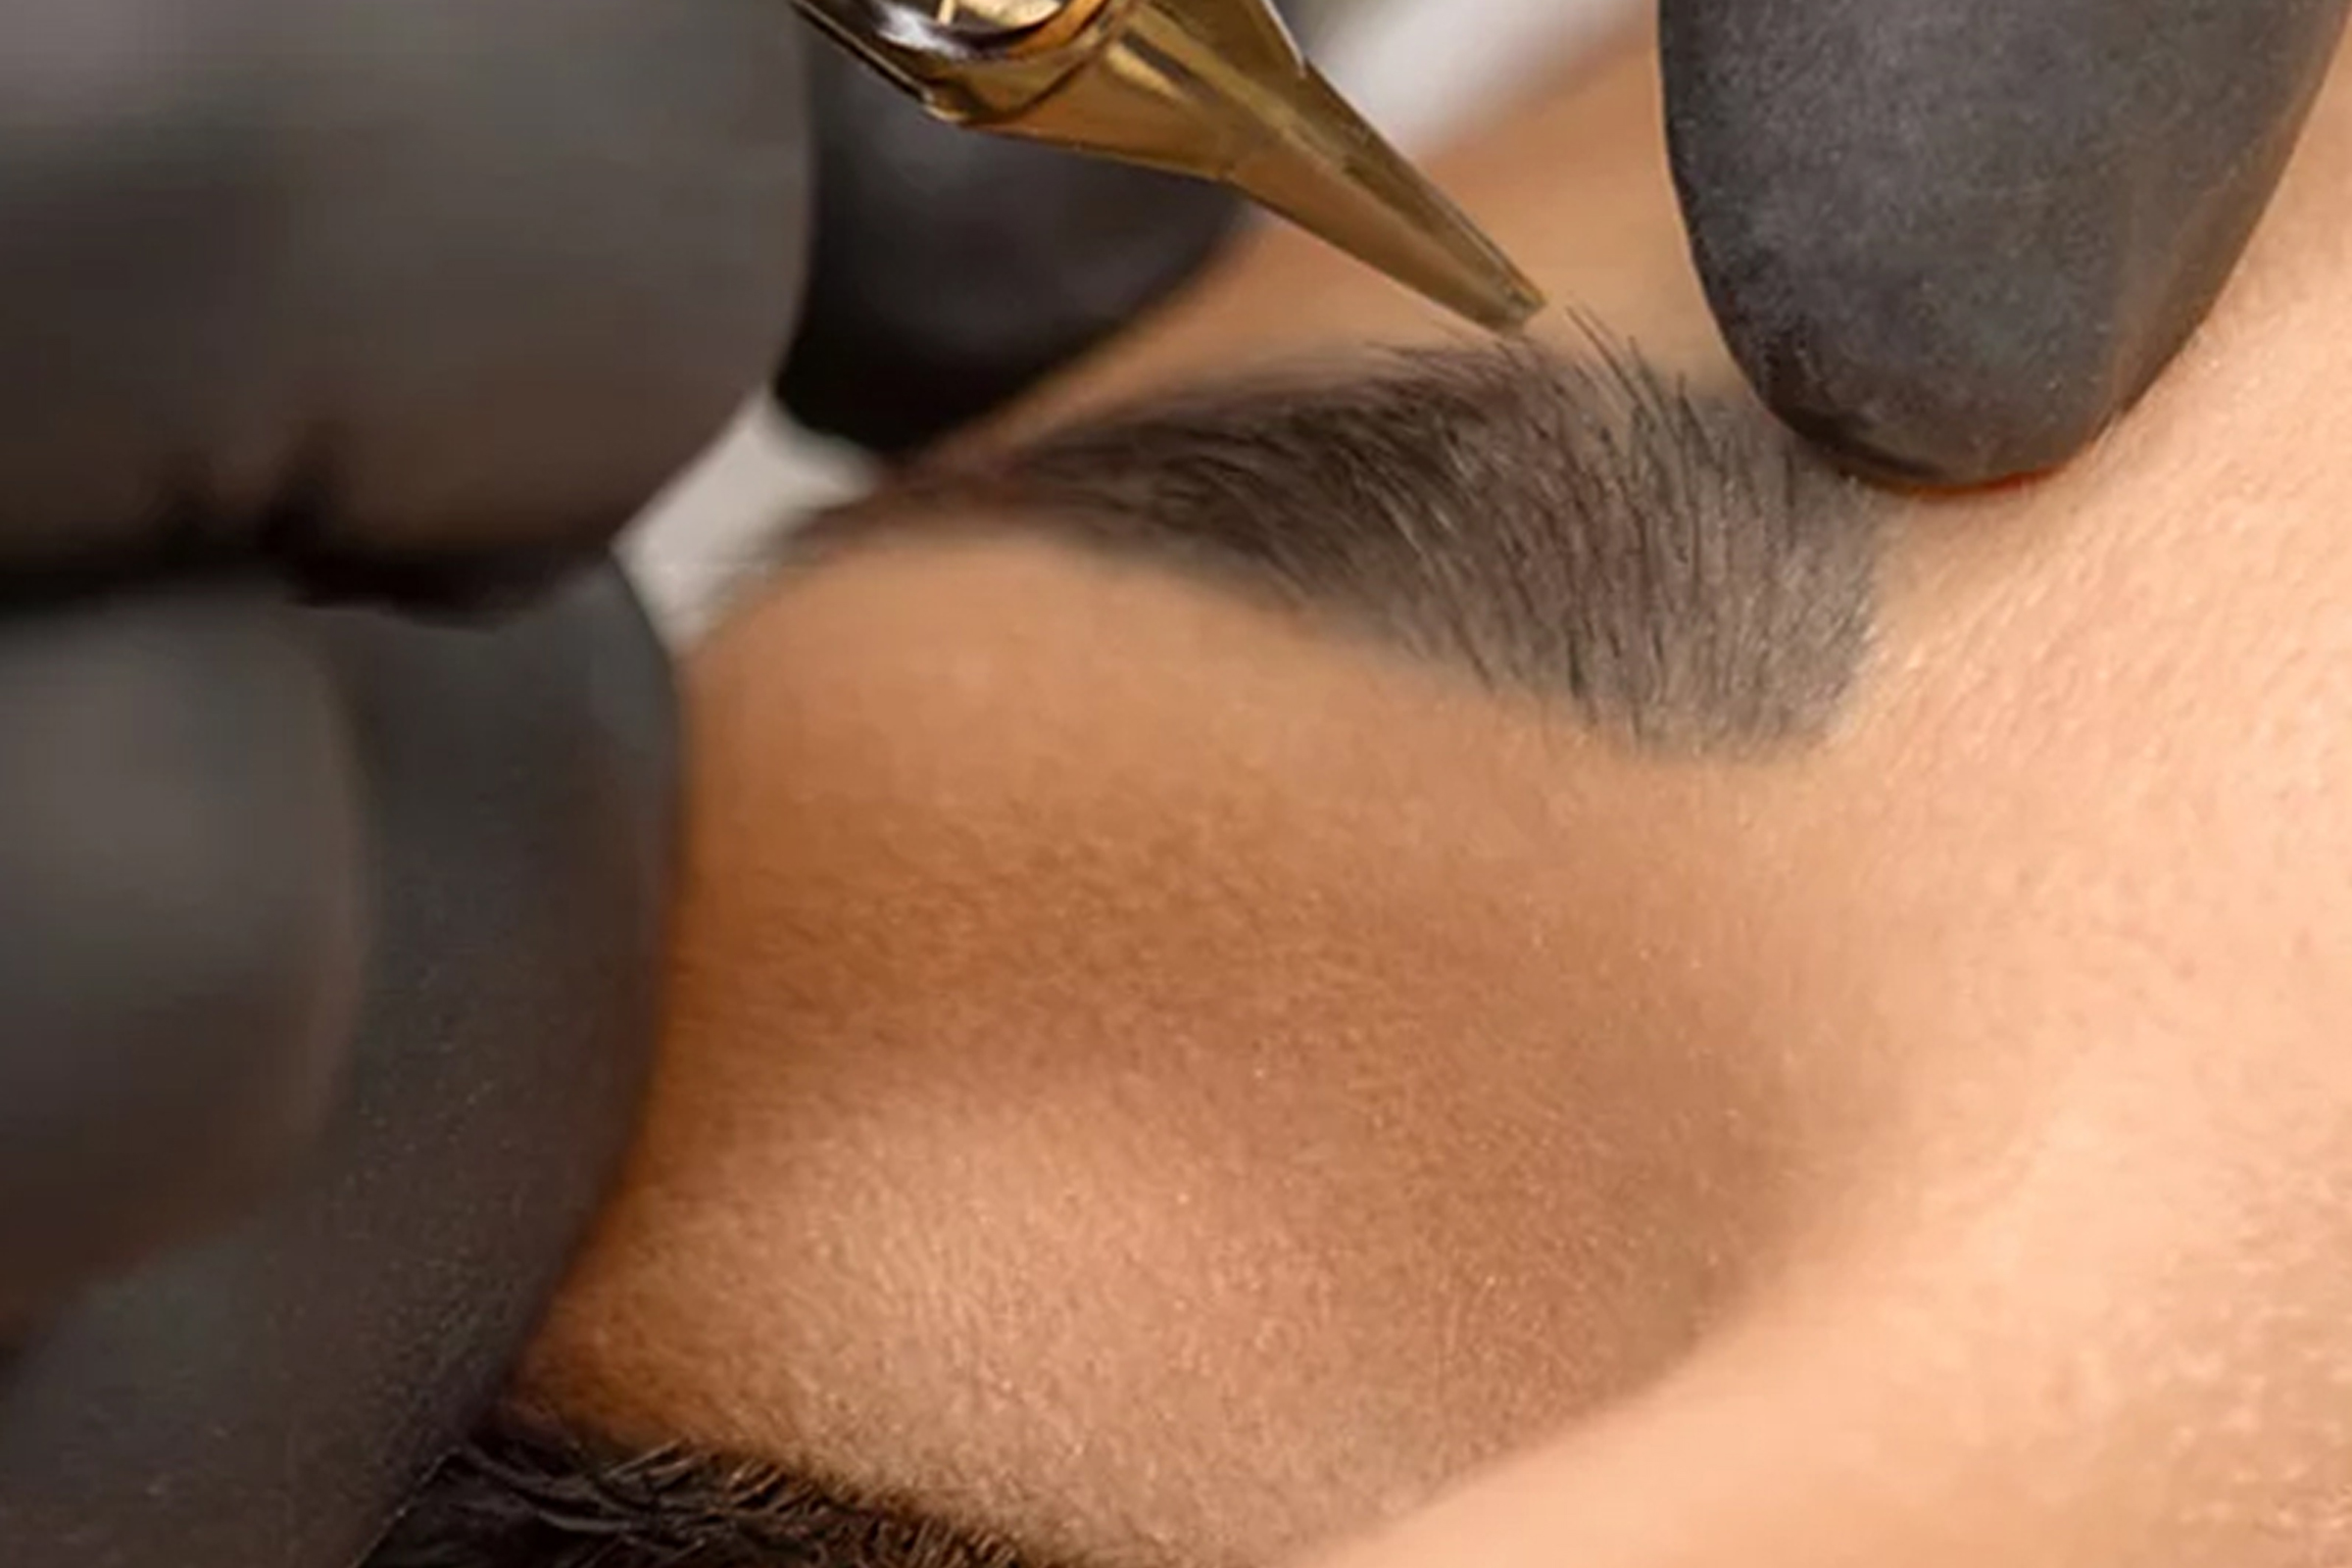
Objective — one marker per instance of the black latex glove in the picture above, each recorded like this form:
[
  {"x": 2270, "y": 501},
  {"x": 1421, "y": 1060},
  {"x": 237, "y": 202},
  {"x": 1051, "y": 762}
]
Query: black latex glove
[
  {"x": 1953, "y": 241},
  {"x": 329, "y": 936},
  {"x": 392, "y": 291},
  {"x": 270, "y": 1394}
]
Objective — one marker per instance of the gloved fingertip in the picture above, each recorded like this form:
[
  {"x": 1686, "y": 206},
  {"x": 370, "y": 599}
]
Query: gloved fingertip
[
  {"x": 179, "y": 956},
  {"x": 1952, "y": 244}
]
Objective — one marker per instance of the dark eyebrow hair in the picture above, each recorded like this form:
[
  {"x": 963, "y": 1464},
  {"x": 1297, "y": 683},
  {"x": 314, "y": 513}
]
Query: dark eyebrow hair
[
  {"x": 528, "y": 1493},
  {"x": 1677, "y": 567}
]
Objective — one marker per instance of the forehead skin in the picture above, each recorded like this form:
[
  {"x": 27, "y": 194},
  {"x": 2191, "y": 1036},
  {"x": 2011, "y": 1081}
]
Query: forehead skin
[{"x": 1182, "y": 1089}]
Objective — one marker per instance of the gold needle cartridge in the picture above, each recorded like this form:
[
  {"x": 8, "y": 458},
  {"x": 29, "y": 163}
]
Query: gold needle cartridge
[{"x": 1214, "y": 88}]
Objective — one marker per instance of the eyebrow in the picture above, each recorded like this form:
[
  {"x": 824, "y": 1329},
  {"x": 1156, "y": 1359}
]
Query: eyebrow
[{"x": 1674, "y": 567}]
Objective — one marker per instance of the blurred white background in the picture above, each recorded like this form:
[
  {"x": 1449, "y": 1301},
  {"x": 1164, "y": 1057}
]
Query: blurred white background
[{"x": 1418, "y": 68}]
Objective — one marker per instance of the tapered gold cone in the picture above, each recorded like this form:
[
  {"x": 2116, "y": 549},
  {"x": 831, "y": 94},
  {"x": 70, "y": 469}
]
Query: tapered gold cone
[{"x": 1214, "y": 88}]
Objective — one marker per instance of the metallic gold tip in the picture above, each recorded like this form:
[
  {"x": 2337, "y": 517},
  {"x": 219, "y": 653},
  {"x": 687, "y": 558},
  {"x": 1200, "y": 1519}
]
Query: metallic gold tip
[{"x": 1214, "y": 88}]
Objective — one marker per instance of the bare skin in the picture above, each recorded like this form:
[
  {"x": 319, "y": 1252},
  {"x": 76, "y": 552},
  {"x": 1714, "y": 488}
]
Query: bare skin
[{"x": 1159, "y": 1083}]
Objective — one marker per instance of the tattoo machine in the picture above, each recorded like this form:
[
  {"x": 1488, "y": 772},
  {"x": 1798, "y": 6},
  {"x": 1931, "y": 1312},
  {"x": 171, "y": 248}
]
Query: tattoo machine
[{"x": 1213, "y": 88}]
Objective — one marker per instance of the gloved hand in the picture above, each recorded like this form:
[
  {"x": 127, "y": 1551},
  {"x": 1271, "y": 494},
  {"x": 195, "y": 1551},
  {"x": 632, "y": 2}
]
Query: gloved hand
[
  {"x": 1952, "y": 242},
  {"x": 409, "y": 294},
  {"x": 328, "y": 935}
]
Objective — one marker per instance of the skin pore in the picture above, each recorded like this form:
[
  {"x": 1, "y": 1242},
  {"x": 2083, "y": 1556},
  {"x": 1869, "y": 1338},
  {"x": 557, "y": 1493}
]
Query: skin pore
[{"x": 1172, "y": 1086}]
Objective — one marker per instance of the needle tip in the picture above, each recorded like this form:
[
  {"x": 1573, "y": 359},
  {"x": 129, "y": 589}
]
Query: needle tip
[{"x": 1217, "y": 88}]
